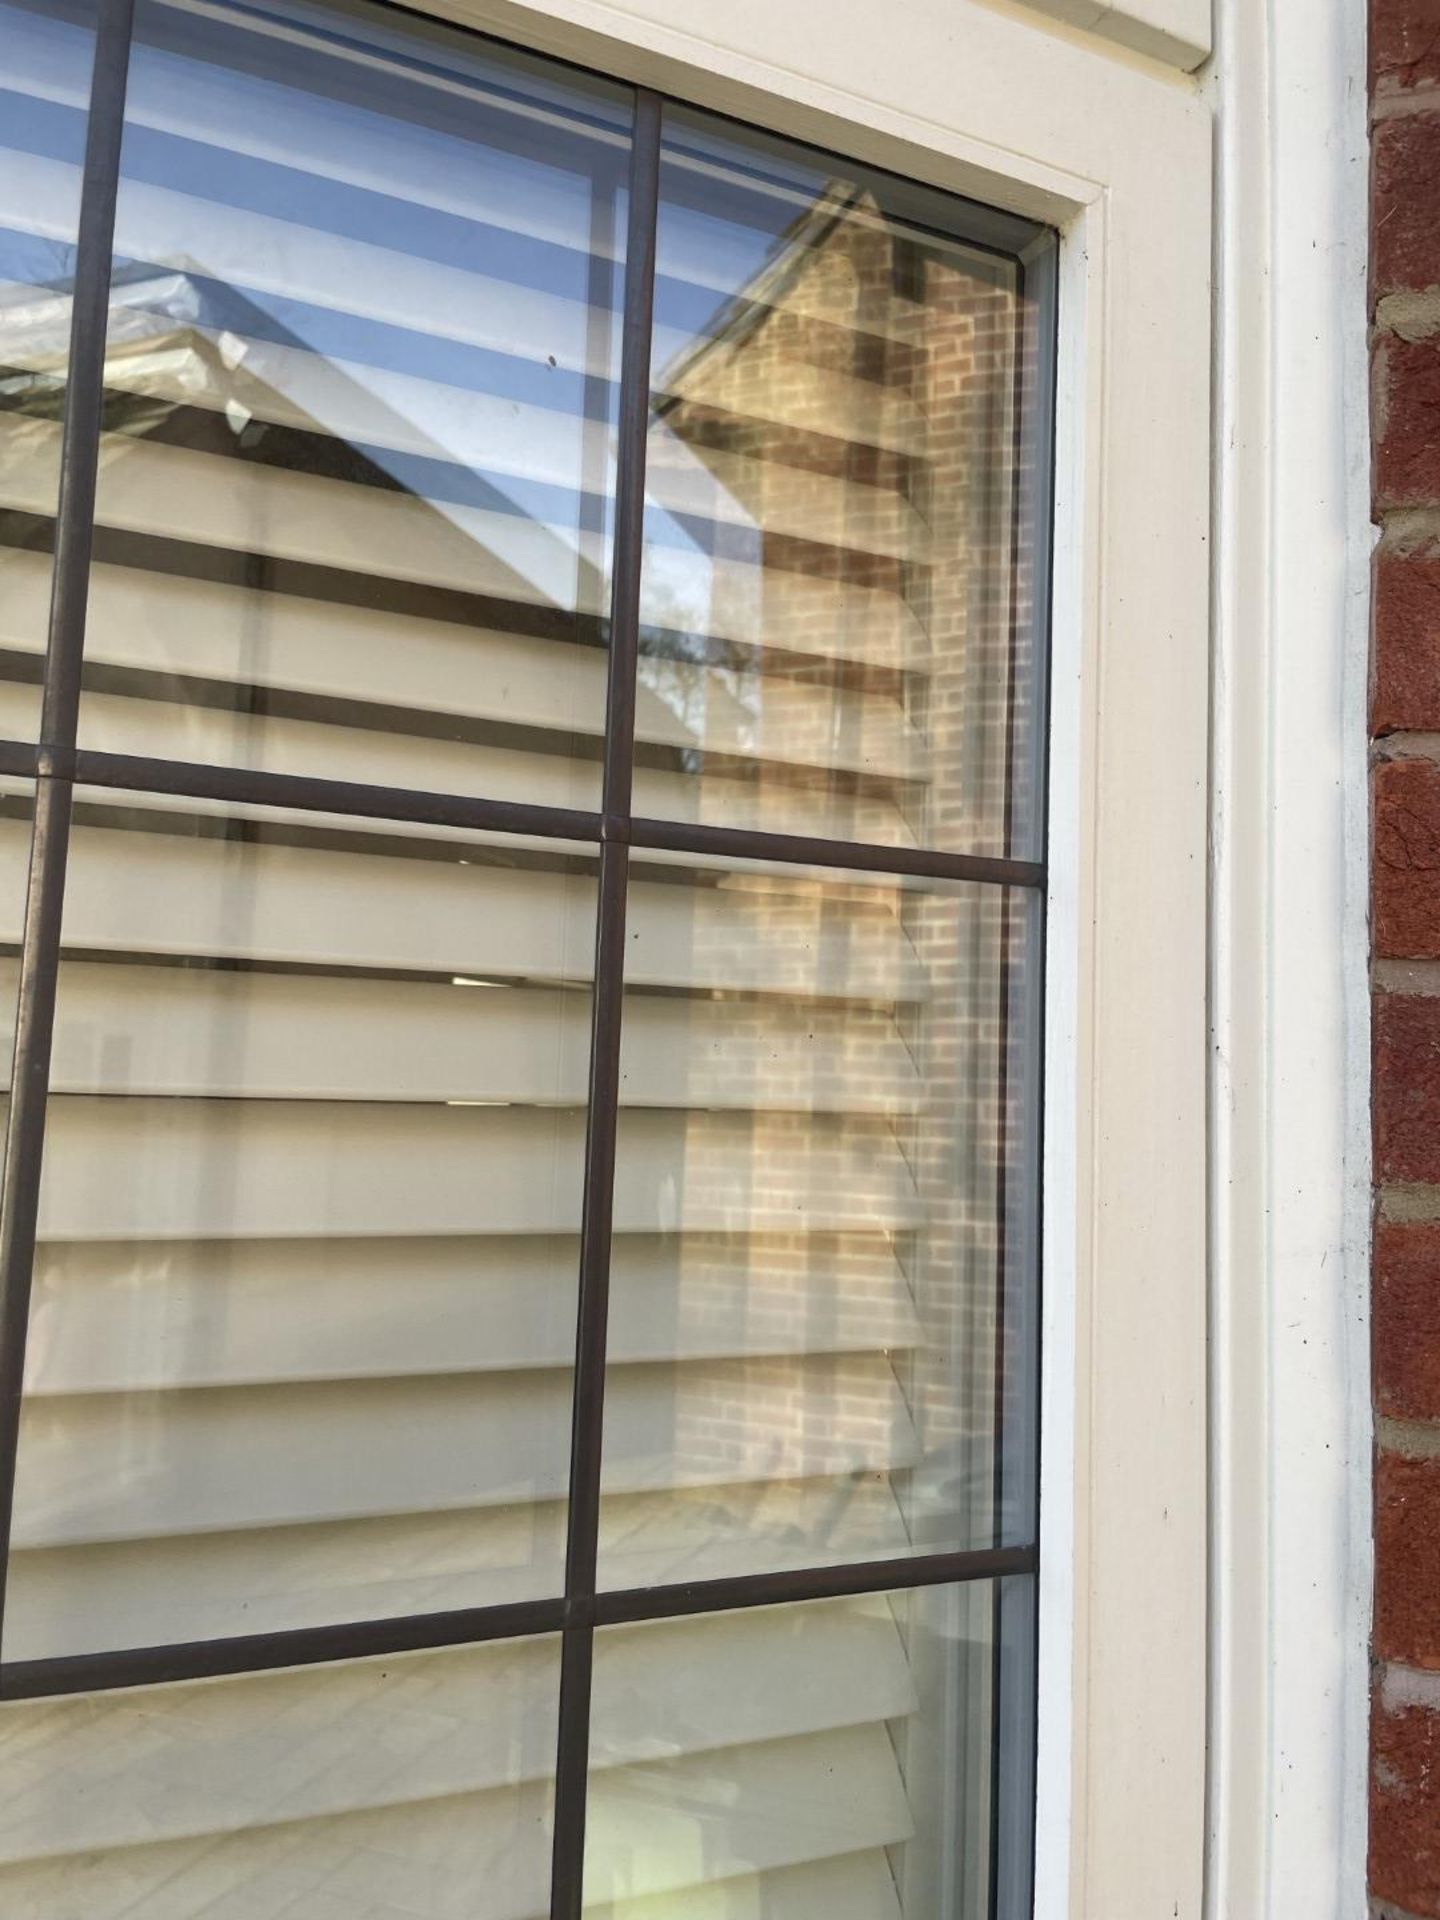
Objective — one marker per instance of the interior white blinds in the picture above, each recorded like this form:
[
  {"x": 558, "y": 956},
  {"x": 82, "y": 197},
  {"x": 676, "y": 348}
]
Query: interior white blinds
[{"x": 303, "y": 1319}]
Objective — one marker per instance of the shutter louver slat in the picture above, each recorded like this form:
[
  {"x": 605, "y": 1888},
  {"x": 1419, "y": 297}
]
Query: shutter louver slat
[
  {"x": 167, "y": 1587},
  {"x": 259, "y": 1878},
  {"x": 849, "y": 1886},
  {"x": 166, "y": 893},
  {"x": 198, "y": 1033},
  {"x": 173, "y": 493},
  {"x": 164, "y": 1169},
  {"x": 419, "y": 1726},
  {"x": 745, "y": 1812},
  {"x": 120, "y": 1316},
  {"x": 408, "y": 666},
  {"x": 176, "y": 1788},
  {"x": 452, "y": 1846},
  {"x": 116, "y": 1467}
]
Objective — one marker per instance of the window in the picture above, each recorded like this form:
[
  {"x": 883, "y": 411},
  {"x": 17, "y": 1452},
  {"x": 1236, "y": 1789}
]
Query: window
[{"x": 527, "y": 1219}]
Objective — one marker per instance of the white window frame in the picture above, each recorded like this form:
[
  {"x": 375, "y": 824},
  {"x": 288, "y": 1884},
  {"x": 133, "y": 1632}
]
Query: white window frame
[
  {"x": 1204, "y": 1567},
  {"x": 1290, "y": 1397}
]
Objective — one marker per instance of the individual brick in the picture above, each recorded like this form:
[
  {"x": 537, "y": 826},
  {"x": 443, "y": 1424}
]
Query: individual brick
[
  {"x": 1405, "y": 689},
  {"x": 1406, "y": 1090},
  {"x": 1405, "y": 1323},
  {"x": 1404, "y": 46},
  {"x": 1407, "y": 1559},
  {"x": 1404, "y": 194},
  {"x": 1405, "y": 424},
  {"x": 1405, "y": 880},
  {"x": 1405, "y": 1807}
]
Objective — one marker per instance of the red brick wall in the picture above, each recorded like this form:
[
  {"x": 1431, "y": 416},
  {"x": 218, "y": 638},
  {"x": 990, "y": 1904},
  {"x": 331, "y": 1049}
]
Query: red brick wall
[{"x": 1405, "y": 731}]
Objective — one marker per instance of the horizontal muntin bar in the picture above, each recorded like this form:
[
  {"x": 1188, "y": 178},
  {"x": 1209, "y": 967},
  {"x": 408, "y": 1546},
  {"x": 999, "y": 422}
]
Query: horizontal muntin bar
[
  {"x": 623, "y": 1606},
  {"x": 246, "y": 786},
  {"x": 252, "y": 787},
  {"x": 793, "y": 849},
  {"x": 237, "y": 1655},
  {"x": 18, "y": 757}
]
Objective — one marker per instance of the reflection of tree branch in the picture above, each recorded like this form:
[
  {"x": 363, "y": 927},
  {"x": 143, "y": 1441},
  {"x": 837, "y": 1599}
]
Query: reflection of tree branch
[{"x": 678, "y": 668}]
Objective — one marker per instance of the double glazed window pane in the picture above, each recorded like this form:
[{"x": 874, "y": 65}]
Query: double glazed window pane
[
  {"x": 388, "y": 1788},
  {"x": 303, "y": 1312},
  {"x": 833, "y": 605},
  {"x": 319, "y": 1148},
  {"x": 830, "y": 1757},
  {"x": 357, "y": 469},
  {"x": 822, "y": 1143}
]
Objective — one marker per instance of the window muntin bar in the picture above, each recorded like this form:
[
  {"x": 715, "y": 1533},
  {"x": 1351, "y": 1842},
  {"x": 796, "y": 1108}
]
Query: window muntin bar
[
  {"x": 601, "y": 1139},
  {"x": 266, "y": 770},
  {"x": 307, "y": 1646}
]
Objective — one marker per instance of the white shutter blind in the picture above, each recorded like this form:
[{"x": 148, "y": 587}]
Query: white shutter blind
[{"x": 303, "y": 1317}]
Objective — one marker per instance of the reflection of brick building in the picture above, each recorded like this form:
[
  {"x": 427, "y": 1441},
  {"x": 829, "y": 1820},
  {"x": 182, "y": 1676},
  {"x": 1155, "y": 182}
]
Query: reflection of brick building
[{"x": 855, "y": 408}]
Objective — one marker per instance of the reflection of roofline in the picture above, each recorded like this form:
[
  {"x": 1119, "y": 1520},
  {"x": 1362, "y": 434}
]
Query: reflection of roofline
[
  {"x": 154, "y": 314},
  {"x": 745, "y": 313}
]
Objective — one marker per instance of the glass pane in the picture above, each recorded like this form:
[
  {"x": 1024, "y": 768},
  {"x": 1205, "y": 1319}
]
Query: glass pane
[
  {"x": 17, "y": 805},
  {"x": 818, "y": 1348},
  {"x": 835, "y": 606},
  {"x": 832, "y": 1758},
  {"x": 355, "y": 489},
  {"x": 304, "y": 1306},
  {"x": 389, "y": 1789},
  {"x": 44, "y": 92}
]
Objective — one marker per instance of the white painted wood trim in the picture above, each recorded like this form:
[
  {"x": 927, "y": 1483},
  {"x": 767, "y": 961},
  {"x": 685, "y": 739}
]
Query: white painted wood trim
[
  {"x": 1290, "y": 1140},
  {"x": 1176, "y": 31}
]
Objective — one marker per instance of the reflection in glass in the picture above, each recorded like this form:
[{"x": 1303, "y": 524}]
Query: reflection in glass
[
  {"x": 354, "y": 501},
  {"x": 303, "y": 1314},
  {"x": 385, "y": 1788},
  {"x": 815, "y": 1349},
  {"x": 834, "y": 611},
  {"x": 44, "y": 89},
  {"x": 826, "y": 1758},
  {"x": 302, "y": 1327}
]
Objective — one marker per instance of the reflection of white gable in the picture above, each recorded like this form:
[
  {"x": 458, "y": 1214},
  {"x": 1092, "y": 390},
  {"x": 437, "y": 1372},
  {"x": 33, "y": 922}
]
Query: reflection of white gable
[{"x": 395, "y": 418}]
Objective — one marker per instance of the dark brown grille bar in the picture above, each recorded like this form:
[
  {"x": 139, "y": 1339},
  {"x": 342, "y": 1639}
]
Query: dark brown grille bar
[
  {"x": 476, "y": 1626},
  {"x": 247, "y": 786},
  {"x": 572, "y": 1760}
]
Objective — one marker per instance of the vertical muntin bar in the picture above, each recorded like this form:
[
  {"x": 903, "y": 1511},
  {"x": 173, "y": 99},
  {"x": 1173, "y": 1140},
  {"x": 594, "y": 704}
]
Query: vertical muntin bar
[
  {"x": 44, "y": 902},
  {"x": 631, "y": 437},
  {"x": 587, "y": 1423}
]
